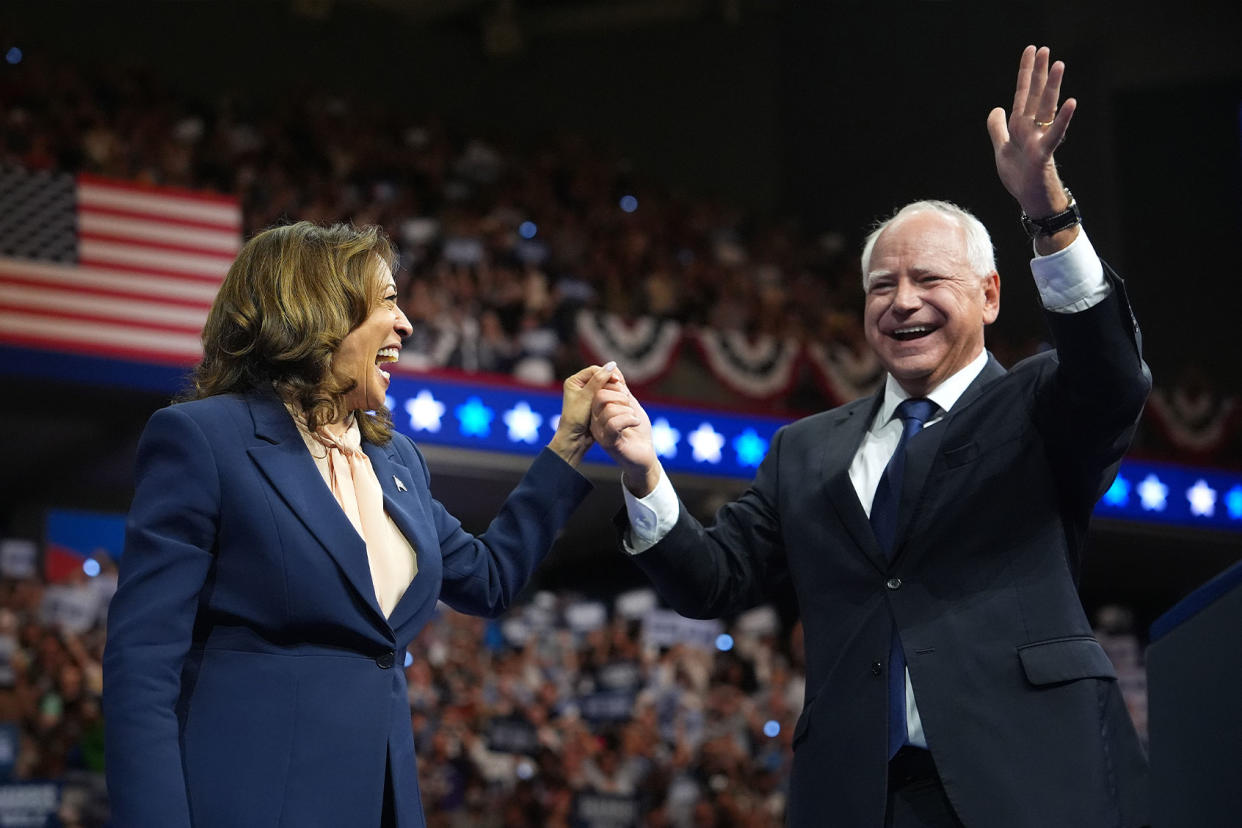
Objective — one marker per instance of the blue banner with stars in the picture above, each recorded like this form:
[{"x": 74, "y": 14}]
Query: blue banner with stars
[
  {"x": 522, "y": 420},
  {"x": 519, "y": 420},
  {"x": 472, "y": 414}
]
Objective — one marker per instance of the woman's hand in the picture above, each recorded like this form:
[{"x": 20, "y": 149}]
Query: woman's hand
[{"x": 573, "y": 432}]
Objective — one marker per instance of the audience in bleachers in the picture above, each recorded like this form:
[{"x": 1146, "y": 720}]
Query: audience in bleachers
[
  {"x": 563, "y": 712},
  {"x": 502, "y": 245}
]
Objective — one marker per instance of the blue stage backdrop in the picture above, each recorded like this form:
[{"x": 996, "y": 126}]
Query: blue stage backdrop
[{"x": 499, "y": 416}]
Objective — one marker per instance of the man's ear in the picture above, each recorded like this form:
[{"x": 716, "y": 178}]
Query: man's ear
[{"x": 991, "y": 297}]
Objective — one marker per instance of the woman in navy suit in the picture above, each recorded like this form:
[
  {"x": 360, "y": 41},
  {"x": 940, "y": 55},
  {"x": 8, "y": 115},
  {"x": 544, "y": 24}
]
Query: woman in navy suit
[{"x": 283, "y": 550}]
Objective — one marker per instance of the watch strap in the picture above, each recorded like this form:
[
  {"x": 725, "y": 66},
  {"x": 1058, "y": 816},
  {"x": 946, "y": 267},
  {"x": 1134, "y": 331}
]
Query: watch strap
[{"x": 1055, "y": 223}]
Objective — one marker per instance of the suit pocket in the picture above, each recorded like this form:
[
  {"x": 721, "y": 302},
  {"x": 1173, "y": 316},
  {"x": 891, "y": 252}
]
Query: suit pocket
[
  {"x": 961, "y": 455},
  {"x": 1065, "y": 659}
]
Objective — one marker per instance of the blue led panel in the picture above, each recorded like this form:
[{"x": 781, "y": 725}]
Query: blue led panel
[
  {"x": 522, "y": 420},
  {"x": 511, "y": 418}
]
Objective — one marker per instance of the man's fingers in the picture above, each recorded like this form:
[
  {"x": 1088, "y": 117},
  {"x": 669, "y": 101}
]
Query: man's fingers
[
  {"x": 1038, "y": 80},
  {"x": 1047, "y": 108},
  {"x": 609, "y": 429},
  {"x": 1056, "y": 132},
  {"x": 998, "y": 130},
  {"x": 1022, "y": 89},
  {"x": 607, "y": 396}
]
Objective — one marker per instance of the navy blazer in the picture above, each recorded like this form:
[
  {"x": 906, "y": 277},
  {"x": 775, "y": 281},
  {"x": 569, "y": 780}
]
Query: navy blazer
[
  {"x": 250, "y": 677},
  {"x": 1019, "y": 702}
]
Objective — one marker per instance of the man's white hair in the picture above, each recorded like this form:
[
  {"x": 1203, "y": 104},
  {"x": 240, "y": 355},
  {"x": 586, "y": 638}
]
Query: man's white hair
[{"x": 979, "y": 252}]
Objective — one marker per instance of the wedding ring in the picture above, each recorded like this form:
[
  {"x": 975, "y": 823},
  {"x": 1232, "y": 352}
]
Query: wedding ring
[{"x": 1040, "y": 123}]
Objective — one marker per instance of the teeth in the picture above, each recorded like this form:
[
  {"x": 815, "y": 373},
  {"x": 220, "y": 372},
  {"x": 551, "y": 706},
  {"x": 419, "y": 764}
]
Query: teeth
[
  {"x": 915, "y": 329},
  {"x": 384, "y": 374},
  {"x": 386, "y": 355}
]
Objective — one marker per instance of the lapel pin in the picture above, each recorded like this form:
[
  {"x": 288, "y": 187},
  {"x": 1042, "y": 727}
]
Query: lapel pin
[{"x": 400, "y": 485}]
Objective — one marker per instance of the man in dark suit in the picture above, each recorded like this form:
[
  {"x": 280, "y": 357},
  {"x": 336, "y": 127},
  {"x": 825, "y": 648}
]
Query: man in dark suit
[{"x": 933, "y": 532}]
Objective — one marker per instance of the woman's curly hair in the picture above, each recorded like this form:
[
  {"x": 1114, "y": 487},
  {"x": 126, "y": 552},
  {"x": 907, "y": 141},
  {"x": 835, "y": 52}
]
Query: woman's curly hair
[{"x": 288, "y": 301}]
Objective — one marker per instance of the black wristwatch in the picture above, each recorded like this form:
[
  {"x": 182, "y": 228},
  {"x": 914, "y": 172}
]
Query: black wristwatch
[{"x": 1054, "y": 223}]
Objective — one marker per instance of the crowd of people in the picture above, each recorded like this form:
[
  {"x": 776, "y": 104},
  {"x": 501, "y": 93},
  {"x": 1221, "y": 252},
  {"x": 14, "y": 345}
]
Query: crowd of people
[
  {"x": 500, "y": 244},
  {"x": 563, "y": 712}
]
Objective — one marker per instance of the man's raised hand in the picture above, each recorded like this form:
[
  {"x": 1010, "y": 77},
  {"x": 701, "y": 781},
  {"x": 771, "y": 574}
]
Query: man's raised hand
[{"x": 1024, "y": 142}]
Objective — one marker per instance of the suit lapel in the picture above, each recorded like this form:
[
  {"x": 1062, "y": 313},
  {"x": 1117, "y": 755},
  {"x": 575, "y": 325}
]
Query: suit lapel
[
  {"x": 401, "y": 504},
  {"x": 282, "y": 457},
  {"x": 924, "y": 448},
  {"x": 837, "y": 453}
]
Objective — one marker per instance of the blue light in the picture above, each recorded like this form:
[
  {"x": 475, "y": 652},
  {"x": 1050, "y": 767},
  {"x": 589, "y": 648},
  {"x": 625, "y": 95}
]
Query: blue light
[
  {"x": 724, "y": 642},
  {"x": 528, "y": 229},
  {"x": 1233, "y": 502},
  {"x": 750, "y": 448},
  {"x": 628, "y": 203},
  {"x": 476, "y": 418},
  {"x": 91, "y": 567},
  {"x": 497, "y": 417},
  {"x": 772, "y": 728},
  {"x": 409, "y": 659},
  {"x": 14, "y": 56},
  {"x": 1118, "y": 494},
  {"x": 1153, "y": 493}
]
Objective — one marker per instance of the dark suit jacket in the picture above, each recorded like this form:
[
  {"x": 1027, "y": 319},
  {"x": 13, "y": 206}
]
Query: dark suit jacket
[
  {"x": 250, "y": 678},
  {"x": 1019, "y": 703}
]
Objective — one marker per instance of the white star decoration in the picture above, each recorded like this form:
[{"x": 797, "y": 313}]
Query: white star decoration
[
  {"x": 664, "y": 438},
  {"x": 523, "y": 423},
  {"x": 425, "y": 412},
  {"x": 1153, "y": 493},
  {"x": 707, "y": 443},
  {"x": 1202, "y": 499}
]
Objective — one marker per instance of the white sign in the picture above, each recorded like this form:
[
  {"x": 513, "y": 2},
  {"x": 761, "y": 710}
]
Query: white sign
[
  {"x": 664, "y": 628},
  {"x": 17, "y": 558}
]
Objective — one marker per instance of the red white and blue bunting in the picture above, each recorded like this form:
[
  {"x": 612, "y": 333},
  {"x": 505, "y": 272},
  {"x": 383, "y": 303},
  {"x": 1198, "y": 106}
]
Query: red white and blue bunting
[
  {"x": 644, "y": 348},
  {"x": 843, "y": 373},
  {"x": 757, "y": 367},
  {"x": 1197, "y": 422}
]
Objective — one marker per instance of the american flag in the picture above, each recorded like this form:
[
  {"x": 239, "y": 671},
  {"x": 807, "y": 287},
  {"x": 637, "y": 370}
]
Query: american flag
[{"x": 91, "y": 265}]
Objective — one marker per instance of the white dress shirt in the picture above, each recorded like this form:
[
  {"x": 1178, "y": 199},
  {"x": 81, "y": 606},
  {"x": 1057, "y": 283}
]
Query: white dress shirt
[{"x": 1070, "y": 280}]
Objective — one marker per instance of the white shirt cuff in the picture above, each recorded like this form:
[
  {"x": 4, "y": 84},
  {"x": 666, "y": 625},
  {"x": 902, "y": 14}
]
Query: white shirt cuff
[
  {"x": 651, "y": 517},
  {"x": 1072, "y": 279}
]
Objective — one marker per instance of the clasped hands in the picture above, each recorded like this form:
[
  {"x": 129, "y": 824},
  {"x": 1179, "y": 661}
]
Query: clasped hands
[{"x": 597, "y": 407}]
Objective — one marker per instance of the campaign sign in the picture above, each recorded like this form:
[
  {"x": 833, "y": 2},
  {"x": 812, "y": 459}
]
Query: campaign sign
[
  {"x": 607, "y": 706},
  {"x": 28, "y": 804},
  {"x": 17, "y": 558},
  {"x": 619, "y": 675},
  {"x": 664, "y": 628},
  {"x": 602, "y": 810},
  {"x": 72, "y": 608},
  {"x": 512, "y": 734}
]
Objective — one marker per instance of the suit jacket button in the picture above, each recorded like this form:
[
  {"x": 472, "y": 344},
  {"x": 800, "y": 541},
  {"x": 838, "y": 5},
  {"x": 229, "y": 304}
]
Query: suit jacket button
[
  {"x": 893, "y": 583},
  {"x": 384, "y": 660},
  {"x": 876, "y": 668}
]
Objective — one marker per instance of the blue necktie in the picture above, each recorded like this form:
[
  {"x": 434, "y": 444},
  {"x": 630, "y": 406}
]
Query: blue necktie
[{"x": 913, "y": 413}]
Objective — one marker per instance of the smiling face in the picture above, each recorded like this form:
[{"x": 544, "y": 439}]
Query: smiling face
[
  {"x": 374, "y": 342},
  {"x": 925, "y": 306}
]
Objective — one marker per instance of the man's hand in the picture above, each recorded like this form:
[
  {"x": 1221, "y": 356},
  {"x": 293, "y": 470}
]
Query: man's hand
[
  {"x": 573, "y": 432},
  {"x": 1024, "y": 144},
  {"x": 623, "y": 429}
]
